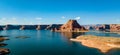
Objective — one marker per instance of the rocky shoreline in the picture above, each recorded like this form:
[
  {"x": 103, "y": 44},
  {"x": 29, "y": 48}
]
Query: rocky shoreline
[
  {"x": 3, "y": 51},
  {"x": 104, "y": 44}
]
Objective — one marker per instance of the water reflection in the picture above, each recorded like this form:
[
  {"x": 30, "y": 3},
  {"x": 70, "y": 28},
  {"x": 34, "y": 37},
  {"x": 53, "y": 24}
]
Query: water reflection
[
  {"x": 68, "y": 35},
  {"x": 114, "y": 51},
  {"x": 72, "y": 34}
]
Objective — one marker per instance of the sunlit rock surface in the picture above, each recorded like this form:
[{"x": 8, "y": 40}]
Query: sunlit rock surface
[
  {"x": 104, "y": 44},
  {"x": 72, "y": 26},
  {"x": 3, "y": 51},
  {"x": 115, "y": 27}
]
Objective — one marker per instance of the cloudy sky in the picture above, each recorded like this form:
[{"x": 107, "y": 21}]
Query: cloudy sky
[{"x": 59, "y": 11}]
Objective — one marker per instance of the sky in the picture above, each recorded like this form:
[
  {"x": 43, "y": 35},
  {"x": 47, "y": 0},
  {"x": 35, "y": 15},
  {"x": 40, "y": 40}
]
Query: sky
[{"x": 59, "y": 11}]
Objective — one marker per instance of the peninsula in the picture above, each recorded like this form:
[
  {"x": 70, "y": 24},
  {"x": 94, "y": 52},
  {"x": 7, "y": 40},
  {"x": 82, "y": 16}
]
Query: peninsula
[{"x": 104, "y": 44}]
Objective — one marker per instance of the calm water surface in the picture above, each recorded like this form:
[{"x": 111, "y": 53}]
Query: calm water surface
[{"x": 45, "y": 42}]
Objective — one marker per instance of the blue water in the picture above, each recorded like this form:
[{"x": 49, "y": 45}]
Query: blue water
[{"x": 44, "y": 42}]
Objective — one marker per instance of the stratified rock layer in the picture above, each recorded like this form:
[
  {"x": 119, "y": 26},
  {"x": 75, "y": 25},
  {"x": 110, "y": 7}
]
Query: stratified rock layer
[
  {"x": 115, "y": 27},
  {"x": 72, "y": 26}
]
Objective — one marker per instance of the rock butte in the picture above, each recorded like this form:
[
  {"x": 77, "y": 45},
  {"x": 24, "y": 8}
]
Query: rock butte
[
  {"x": 71, "y": 26},
  {"x": 104, "y": 44}
]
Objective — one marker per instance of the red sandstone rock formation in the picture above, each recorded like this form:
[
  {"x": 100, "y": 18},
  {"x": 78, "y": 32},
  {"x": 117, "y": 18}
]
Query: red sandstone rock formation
[
  {"x": 72, "y": 26},
  {"x": 115, "y": 27}
]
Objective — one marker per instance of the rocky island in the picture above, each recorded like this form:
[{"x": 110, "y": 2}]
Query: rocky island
[
  {"x": 71, "y": 26},
  {"x": 3, "y": 51},
  {"x": 104, "y": 44}
]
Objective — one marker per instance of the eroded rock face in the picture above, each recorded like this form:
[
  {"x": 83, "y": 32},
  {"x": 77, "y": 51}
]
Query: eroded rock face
[
  {"x": 53, "y": 26},
  {"x": 115, "y": 27},
  {"x": 41, "y": 27},
  {"x": 109, "y": 27},
  {"x": 72, "y": 26}
]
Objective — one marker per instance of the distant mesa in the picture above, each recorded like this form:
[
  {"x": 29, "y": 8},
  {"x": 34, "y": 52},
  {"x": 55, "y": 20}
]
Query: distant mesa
[
  {"x": 72, "y": 26},
  {"x": 108, "y": 27},
  {"x": 41, "y": 27},
  {"x": 54, "y": 26},
  {"x": 28, "y": 27},
  {"x": 9, "y": 27}
]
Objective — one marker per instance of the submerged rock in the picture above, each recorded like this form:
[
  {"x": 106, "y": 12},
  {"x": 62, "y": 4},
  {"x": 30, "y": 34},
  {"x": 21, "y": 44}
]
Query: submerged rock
[
  {"x": 4, "y": 51},
  {"x": 3, "y": 36},
  {"x": 2, "y": 39},
  {"x": 3, "y": 44},
  {"x": 22, "y": 37}
]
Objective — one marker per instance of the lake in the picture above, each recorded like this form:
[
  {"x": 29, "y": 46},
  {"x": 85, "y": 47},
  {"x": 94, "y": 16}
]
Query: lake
[{"x": 45, "y": 42}]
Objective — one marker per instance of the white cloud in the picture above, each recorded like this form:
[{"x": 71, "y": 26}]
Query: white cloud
[
  {"x": 77, "y": 18},
  {"x": 63, "y": 17},
  {"x": 38, "y": 18}
]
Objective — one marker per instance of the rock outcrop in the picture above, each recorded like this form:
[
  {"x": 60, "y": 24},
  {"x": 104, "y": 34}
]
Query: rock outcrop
[
  {"x": 115, "y": 27},
  {"x": 53, "y": 26},
  {"x": 109, "y": 27},
  {"x": 104, "y": 44},
  {"x": 10, "y": 27},
  {"x": 28, "y": 27},
  {"x": 41, "y": 27},
  {"x": 72, "y": 26},
  {"x": 3, "y": 51}
]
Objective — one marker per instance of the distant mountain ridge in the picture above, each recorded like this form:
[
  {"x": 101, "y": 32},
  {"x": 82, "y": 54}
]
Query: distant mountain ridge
[{"x": 71, "y": 26}]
